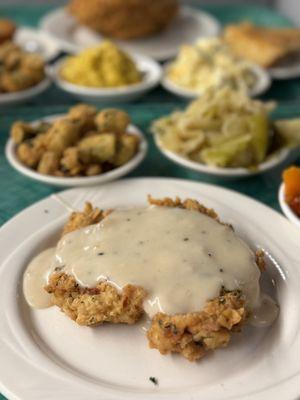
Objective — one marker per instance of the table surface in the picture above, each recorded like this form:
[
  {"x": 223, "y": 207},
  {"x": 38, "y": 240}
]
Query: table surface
[{"x": 18, "y": 192}]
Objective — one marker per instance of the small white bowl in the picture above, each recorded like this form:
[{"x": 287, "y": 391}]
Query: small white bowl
[
  {"x": 263, "y": 82},
  {"x": 10, "y": 153},
  {"x": 151, "y": 70},
  {"x": 24, "y": 95},
  {"x": 286, "y": 209},
  {"x": 228, "y": 173}
]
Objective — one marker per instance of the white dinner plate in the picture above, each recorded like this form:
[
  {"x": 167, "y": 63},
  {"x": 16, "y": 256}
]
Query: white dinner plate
[
  {"x": 262, "y": 84},
  {"x": 151, "y": 72},
  {"x": 37, "y": 41},
  {"x": 277, "y": 159},
  {"x": 189, "y": 25},
  {"x": 7, "y": 99},
  {"x": 10, "y": 153},
  {"x": 286, "y": 209},
  {"x": 46, "y": 355}
]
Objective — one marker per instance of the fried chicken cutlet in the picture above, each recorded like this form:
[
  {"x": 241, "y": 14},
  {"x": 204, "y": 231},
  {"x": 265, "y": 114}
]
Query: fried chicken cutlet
[{"x": 190, "y": 334}]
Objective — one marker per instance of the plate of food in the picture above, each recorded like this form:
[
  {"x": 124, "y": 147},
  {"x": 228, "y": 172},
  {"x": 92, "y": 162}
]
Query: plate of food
[
  {"x": 155, "y": 29},
  {"x": 84, "y": 147},
  {"x": 289, "y": 194},
  {"x": 23, "y": 75},
  {"x": 277, "y": 49},
  {"x": 107, "y": 74},
  {"x": 124, "y": 297},
  {"x": 225, "y": 133},
  {"x": 210, "y": 63}
]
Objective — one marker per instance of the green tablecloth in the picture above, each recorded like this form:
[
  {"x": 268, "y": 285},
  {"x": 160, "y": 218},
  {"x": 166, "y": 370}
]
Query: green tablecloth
[{"x": 17, "y": 192}]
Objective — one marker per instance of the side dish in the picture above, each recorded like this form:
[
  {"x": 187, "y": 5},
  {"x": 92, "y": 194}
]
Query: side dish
[
  {"x": 104, "y": 66},
  {"x": 291, "y": 179},
  {"x": 7, "y": 30},
  {"x": 267, "y": 47},
  {"x": 174, "y": 261},
  {"x": 82, "y": 143},
  {"x": 225, "y": 128},
  {"x": 19, "y": 70},
  {"x": 210, "y": 63},
  {"x": 130, "y": 19}
]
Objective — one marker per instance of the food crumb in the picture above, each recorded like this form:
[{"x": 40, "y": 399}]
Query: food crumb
[{"x": 153, "y": 380}]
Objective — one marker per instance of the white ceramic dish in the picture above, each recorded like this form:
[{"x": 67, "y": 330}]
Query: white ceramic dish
[
  {"x": 189, "y": 25},
  {"x": 45, "y": 354},
  {"x": 151, "y": 70},
  {"x": 289, "y": 71},
  {"x": 24, "y": 95},
  {"x": 273, "y": 162},
  {"x": 286, "y": 209},
  {"x": 10, "y": 152},
  {"x": 37, "y": 41},
  {"x": 263, "y": 82}
]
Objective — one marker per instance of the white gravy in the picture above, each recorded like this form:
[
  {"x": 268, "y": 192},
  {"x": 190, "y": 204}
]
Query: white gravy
[
  {"x": 36, "y": 277},
  {"x": 182, "y": 258}
]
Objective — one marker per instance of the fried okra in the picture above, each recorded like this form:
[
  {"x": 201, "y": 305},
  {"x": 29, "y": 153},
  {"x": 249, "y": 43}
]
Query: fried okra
[
  {"x": 77, "y": 144},
  {"x": 112, "y": 120},
  {"x": 19, "y": 70}
]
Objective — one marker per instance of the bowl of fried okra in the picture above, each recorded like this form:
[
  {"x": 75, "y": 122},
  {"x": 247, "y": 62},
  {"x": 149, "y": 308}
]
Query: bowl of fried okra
[{"x": 86, "y": 146}]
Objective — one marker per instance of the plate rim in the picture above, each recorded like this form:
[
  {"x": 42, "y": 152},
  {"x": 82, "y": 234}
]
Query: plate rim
[{"x": 23, "y": 95}]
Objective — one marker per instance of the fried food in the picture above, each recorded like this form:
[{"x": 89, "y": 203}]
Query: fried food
[
  {"x": 7, "y": 30},
  {"x": 192, "y": 335},
  {"x": 265, "y": 46},
  {"x": 83, "y": 143},
  {"x": 19, "y": 70},
  {"x": 97, "y": 305},
  {"x": 112, "y": 120},
  {"x": 121, "y": 19}
]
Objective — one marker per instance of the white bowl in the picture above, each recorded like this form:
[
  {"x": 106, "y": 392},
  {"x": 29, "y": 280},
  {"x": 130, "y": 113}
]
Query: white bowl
[
  {"x": 24, "y": 95},
  {"x": 151, "y": 70},
  {"x": 286, "y": 209},
  {"x": 273, "y": 162},
  {"x": 10, "y": 152},
  {"x": 263, "y": 82}
]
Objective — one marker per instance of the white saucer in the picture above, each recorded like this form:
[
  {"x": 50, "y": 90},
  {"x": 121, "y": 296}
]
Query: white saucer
[{"x": 189, "y": 25}]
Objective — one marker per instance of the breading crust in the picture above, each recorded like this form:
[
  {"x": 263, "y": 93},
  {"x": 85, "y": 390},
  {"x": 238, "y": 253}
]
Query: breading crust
[{"x": 192, "y": 335}]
